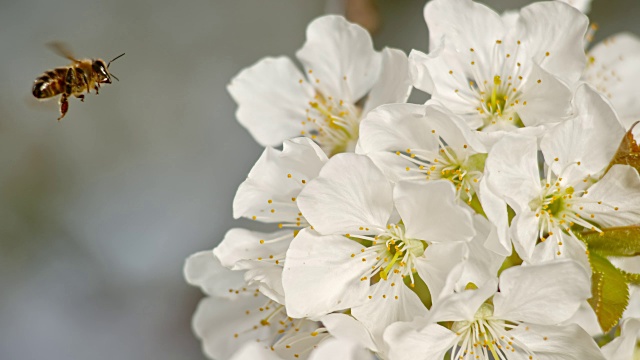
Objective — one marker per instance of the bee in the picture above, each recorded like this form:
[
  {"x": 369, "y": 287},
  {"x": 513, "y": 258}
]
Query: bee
[{"x": 74, "y": 79}]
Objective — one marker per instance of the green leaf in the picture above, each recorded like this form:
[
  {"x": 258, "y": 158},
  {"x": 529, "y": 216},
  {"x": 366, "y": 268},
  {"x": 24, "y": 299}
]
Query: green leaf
[
  {"x": 628, "y": 152},
  {"x": 610, "y": 292},
  {"x": 618, "y": 241}
]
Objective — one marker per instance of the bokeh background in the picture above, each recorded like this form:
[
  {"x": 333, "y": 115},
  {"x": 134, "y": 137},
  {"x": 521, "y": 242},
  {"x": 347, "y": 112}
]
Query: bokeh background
[{"x": 99, "y": 211}]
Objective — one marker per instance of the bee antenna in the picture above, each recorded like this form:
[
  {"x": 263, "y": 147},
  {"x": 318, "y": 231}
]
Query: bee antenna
[
  {"x": 113, "y": 76},
  {"x": 114, "y": 59}
]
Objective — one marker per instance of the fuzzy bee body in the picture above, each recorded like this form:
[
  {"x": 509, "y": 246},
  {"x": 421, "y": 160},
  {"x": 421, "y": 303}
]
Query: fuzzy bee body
[
  {"x": 73, "y": 80},
  {"x": 50, "y": 84}
]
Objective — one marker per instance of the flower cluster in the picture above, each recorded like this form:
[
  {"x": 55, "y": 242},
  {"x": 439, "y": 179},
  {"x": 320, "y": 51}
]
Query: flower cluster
[{"x": 499, "y": 220}]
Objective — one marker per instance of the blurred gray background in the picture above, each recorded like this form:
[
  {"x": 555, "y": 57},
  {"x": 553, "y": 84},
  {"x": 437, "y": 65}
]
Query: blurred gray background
[{"x": 99, "y": 211}]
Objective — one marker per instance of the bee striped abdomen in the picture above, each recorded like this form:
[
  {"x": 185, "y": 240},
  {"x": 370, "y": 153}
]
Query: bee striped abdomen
[{"x": 51, "y": 83}]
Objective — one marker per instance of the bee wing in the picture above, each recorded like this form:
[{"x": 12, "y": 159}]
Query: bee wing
[{"x": 62, "y": 49}]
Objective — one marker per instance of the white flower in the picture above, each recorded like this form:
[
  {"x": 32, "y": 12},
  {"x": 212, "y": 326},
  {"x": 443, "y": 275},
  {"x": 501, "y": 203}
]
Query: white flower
[
  {"x": 518, "y": 321},
  {"x": 612, "y": 70},
  {"x": 501, "y": 74},
  {"x": 583, "y": 5},
  {"x": 625, "y": 346},
  {"x": 269, "y": 195},
  {"x": 329, "y": 348},
  {"x": 229, "y": 317},
  {"x": 413, "y": 142},
  {"x": 260, "y": 255},
  {"x": 270, "y": 191},
  {"x": 276, "y": 101},
  {"x": 363, "y": 256},
  {"x": 572, "y": 192}
]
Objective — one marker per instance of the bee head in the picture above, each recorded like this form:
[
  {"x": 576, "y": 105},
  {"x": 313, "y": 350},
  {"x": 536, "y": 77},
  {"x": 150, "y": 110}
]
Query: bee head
[{"x": 100, "y": 71}]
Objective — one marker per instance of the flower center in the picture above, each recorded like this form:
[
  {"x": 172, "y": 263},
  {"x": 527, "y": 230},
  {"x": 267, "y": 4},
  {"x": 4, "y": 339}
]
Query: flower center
[
  {"x": 334, "y": 125},
  {"x": 498, "y": 105},
  {"x": 495, "y": 82},
  {"x": 561, "y": 205},
  {"x": 485, "y": 337},
  {"x": 463, "y": 170},
  {"x": 394, "y": 253}
]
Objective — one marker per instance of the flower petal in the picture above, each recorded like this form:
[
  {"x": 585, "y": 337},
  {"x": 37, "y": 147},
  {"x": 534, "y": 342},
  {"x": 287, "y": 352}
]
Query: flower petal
[
  {"x": 542, "y": 294},
  {"x": 386, "y": 305},
  {"x": 583, "y": 5},
  {"x": 430, "y": 213},
  {"x": 393, "y": 166},
  {"x": 269, "y": 193},
  {"x": 561, "y": 246},
  {"x": 451, "y": 128},
  {"x": 512, "y": 167},
  {"x": 202, "y": 269},
  {"x": 619, "y": 192},
  {"x": 269, "y": 281},
  {"x": 255, "y": 351},
  {"x": 548, "y": 342},
  {"x": 343, "y": 326},
  {"x": 298, "y": 344},
  {"x": 482, "y": 264},
  {"x": 587, "y": 319},
  {"x": 563, "y": 55},
  {"x": 321, "y": 275},
  {"x": 525, "y": 232},
  {"x": 462, "y": 306},
  {"x": 496, "y": 210},
  {"x": 341, "y": 56},
  {"x": 419, "y": 71},
  {"x": 261, "y": 254},
  {"x": 271, "y": 100},
  {"x": 394, "y": 83},
  {"x": 395, "y": 127},
  {"x": 437, "y": 263},
  {"x": 241, "y": 318},
  {"x": 450, "y": 79},
  {"x": 406, "y": 342},
  {"x": 258, "y": 247},
  {"x": 591, "y": 138},
  {"x": 612, "y": 70},
  {"x": 625, "y": 345},
  {"x": 468, "y": 24},
  {"x": 333, "y": 348},
  {"x": 350, "y": 195},
  {"x": 545, "y": 98}
]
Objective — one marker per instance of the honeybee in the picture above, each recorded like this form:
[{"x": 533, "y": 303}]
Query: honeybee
[{"x": 73, "y": 79}]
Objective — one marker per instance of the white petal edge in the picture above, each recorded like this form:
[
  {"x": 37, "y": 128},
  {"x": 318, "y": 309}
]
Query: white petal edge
[{"x": 542, "y": 294}]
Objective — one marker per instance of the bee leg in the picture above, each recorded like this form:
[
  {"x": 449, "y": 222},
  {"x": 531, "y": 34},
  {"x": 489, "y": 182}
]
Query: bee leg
[
  {"x": 64, "y": 106},
  {"x": 97, "y": 87},
  {"x": 81, "y": 97}
]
